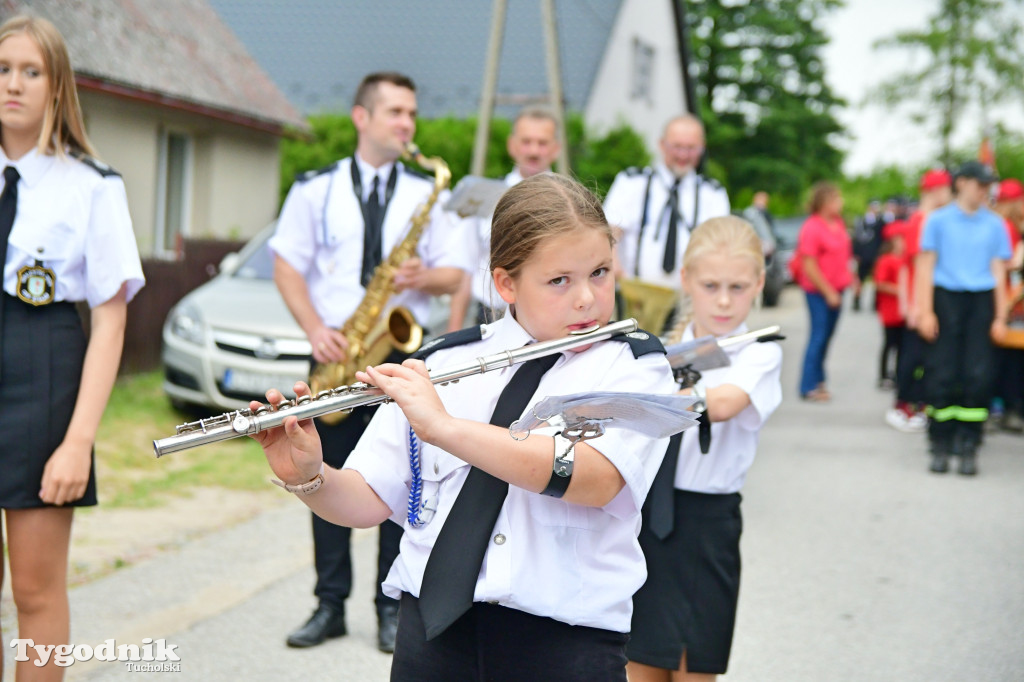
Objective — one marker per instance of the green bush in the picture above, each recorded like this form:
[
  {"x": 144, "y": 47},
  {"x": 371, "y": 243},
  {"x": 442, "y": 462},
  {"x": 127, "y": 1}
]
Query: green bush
[{"x": 594, "y": 159}]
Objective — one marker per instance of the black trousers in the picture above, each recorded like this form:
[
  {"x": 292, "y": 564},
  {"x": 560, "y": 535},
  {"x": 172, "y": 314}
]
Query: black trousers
[
  {"x": 889, "y": 366},
  {"x": 331, "y": 543},
  {"x": 492, "y": 643},
  {"x": 910, "y": 369},
  {"x": 1010, "y": 381},
  {"x": 960, "y": 366}
]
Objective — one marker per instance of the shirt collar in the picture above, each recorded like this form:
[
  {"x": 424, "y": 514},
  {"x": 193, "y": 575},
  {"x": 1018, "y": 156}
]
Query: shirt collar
[
  {"x": 514, "y": 178},
  {"x": 666, "y": 176},
  {"x": 366, "y": 172},
  {"x": 688, "y": 332},
  {"x": 31, "y": 167}
]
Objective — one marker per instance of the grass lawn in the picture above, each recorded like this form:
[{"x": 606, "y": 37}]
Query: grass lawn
[{"x": 130, "y": 475}]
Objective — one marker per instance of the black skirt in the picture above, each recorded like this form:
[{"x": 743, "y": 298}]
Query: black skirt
[
  {"x": 43, "y": 349},
  {"x": 693, "y": 578}
]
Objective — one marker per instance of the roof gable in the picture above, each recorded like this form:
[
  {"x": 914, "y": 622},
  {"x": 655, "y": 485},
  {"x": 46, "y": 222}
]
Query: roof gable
[{"x": 318, "y": 50}]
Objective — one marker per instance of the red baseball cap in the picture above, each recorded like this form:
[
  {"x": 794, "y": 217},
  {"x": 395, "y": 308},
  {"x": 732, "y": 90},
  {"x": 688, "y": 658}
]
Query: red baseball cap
[
  {"x": 1009, "y": 190},
  {"x": 936, "y": 178},
  {"x": 894, "y": 229}
]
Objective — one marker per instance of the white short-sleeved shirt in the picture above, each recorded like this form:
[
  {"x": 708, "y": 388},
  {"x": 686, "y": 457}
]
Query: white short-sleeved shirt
[
  {"x": 320, "y": 234},
  {"x": 579, "y": 565},
  {"x": 642, "y": 247},
  {"x": 483, "y": 284},
  {"x": 755, "y": 369},
  {"x": 73, "y": 217}
]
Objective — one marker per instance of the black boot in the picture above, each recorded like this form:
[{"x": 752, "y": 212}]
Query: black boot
[
  {"x": 326, "y": 621},
  {"x": 969, "y": 460},
  {"x": 940, "y": 456},
  {"x": 387, "y": 627}
]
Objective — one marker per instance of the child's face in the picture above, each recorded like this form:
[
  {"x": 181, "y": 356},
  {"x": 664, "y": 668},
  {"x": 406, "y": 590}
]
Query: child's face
[
  {"x": 565, "y": 286},
  {"x": 722, "y": 288},
  {"x": 24, "y": 85}
]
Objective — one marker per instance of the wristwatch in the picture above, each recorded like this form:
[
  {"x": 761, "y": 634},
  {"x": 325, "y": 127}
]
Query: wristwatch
[
  {"x": 307, "y": 488},
  {"x": 561, "y": 467}
]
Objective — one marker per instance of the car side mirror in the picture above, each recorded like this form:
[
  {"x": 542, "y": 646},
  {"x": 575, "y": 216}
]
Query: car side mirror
[{"x": 228, "y": 262}]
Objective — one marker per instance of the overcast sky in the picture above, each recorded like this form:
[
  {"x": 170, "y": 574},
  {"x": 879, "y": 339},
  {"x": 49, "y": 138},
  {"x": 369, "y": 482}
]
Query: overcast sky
[{"x": 879, "y": 137}]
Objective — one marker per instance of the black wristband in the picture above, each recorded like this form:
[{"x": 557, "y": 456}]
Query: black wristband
[{"x": 561, "y": 467}]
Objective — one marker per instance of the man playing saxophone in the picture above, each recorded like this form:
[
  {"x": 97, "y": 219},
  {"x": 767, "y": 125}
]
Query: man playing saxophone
[{"x": 337, "y": 224}]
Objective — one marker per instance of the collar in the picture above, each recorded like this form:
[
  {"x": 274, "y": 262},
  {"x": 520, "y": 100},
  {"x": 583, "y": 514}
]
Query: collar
[
  {"x": 508, "y": 333},
  {"x": 366, "y": 171},
  {"x": 514, "y": 178},
  {"x": 688, "y": 332},
  {"x": 668, "y": 178},
  {"x": 31, "y": 167}
]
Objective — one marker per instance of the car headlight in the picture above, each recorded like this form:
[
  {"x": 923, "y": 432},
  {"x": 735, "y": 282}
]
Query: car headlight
[{"x": 186, "y": 323}]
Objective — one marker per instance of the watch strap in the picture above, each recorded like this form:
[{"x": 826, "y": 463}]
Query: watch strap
[{"x": 307, "y": 488}]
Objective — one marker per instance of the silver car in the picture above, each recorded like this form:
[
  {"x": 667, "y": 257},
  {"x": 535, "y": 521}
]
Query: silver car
[{"x": 231, "y": 339}]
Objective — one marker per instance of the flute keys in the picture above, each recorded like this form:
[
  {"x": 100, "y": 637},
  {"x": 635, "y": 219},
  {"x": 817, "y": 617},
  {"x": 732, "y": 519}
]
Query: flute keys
[{"x": 240, "y": 424}]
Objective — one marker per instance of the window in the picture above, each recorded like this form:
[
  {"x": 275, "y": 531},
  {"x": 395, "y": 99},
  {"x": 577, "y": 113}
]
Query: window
[
  {"x": 643, "y": 72},
  {"x": 173, "y": 196}
]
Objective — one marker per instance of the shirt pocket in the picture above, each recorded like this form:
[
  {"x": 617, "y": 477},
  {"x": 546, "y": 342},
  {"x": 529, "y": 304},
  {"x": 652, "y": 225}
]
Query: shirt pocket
[{"x": 440, "y": 473}]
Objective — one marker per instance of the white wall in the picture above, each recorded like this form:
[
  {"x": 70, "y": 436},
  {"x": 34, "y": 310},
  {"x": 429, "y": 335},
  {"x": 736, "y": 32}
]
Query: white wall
[{"x": 611, "y": 102}]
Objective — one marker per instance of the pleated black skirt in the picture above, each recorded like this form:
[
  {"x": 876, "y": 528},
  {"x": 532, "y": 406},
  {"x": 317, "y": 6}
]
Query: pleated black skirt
[{"x": 42, "y": 350}]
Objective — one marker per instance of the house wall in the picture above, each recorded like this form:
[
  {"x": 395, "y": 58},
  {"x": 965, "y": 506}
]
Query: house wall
[
  {"x": 643, "y": 41},
  {"x": 233, "y": 175}
]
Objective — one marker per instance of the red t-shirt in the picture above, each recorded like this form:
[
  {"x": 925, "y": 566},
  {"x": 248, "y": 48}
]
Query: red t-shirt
[
  {"x": 887, "y": 270},
  {"x": 829, "y": 244},
  {"x": 912, "y": 247}
]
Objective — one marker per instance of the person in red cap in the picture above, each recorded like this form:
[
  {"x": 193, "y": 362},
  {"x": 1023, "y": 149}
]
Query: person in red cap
[
  {"x": 907, "y": 414},
  {"x": 1009, "y": 203},
  {"x": 890, "y": 275}
]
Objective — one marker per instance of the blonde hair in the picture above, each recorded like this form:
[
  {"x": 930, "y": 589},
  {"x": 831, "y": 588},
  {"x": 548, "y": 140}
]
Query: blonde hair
[
  {"x": 728, "y": 234},
  {"x": 62, "y": 121},
  {"x": 538, "y": 208}
]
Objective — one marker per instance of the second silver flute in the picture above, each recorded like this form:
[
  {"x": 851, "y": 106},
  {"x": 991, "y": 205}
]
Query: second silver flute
[{"x": 246, "y": 422}]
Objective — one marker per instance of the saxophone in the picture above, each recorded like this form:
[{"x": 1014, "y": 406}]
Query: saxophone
[{"x": 371, "y": 336}]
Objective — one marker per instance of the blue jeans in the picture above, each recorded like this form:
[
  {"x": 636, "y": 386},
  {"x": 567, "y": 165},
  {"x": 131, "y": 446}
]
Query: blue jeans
[{"x": 823, "y": 323}]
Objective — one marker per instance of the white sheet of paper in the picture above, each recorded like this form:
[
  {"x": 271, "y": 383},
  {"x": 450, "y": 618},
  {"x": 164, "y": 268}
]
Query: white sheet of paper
[
  {"x": 657, "y": 416},
  {"x": 475, "y": 196}
]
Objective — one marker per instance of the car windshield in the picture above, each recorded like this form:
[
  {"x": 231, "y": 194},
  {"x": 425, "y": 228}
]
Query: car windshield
[{"x": 259, "y": 264}]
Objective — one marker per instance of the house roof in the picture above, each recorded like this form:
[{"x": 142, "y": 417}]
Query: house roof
[
  {"x": 317, "y": 51},
  {"x": 177, "y": 54}
]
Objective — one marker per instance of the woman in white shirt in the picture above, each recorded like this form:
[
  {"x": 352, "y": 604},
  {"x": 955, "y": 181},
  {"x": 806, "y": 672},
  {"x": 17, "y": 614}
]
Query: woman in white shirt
[
  {"x": 684, "y": 614},
  {"x": 549, "y": 592},
  {"x": 66, "y": 237}
]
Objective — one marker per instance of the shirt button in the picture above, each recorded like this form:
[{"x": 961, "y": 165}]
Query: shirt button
[{"x": 499, "y": 539}]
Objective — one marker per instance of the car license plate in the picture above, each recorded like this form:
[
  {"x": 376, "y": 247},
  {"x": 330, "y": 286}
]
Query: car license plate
[{"x": 255, "y": 383}]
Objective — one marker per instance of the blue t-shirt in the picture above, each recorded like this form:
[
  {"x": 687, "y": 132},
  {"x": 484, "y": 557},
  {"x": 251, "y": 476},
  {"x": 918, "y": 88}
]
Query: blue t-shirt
[{"x": 965, "y": 244}]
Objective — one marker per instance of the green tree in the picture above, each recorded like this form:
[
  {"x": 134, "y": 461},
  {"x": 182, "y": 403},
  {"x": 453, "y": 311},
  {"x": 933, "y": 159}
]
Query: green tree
[
  {"x": 761, "y": 82},
  {"x": 972, "y": 56}
]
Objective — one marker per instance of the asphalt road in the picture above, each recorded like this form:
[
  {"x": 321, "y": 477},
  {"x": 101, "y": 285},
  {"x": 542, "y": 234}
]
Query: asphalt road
[{"x": 858, "y": 563}]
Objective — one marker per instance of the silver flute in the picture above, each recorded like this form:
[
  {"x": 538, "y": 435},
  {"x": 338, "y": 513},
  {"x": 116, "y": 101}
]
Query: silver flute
[{"x": 248, "y": 422}]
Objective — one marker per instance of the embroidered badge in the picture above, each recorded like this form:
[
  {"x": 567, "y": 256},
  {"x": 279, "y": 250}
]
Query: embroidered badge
[
  {"x": 640, "y": 336},
  {"x": 36, "y": 284}
]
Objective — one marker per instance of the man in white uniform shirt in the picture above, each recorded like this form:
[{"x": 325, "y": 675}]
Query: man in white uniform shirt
[
  {"x": 657, "y": 207},
  {"x": 335, "y": 226},
  {"x": 533, "y": 145}
]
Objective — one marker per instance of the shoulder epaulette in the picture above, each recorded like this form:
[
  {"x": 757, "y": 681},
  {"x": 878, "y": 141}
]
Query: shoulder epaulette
[
  {"x": 459, "y": 338},
  {"x": 417, "y": 173},
  {"x": 634, "y": 171},
  {"x": 310, "y": 174},
  {"x": 711, "y": 182},
  {"x": 97, "y": 165},
  {"x": 641, "y": 342}
]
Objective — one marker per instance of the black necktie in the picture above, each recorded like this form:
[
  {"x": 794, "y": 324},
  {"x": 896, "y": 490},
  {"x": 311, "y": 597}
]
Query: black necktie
[
  {"x": 668, "y": 263},
  {"x": 449, "y": 578},
  {"x": 372, "y": 252},
  {"x": 8, "y": 209},
  {"x": 661, "y": 508}
]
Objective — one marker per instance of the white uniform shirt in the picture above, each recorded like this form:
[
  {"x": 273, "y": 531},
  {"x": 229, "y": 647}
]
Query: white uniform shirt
[
  {"x": 483, "y": 284},
  {"x": 755, "y": 369},
  {"x": 320, "y": 234},
  {"x": 579, "y": 565},
  {"x": 75, "y": 220},
  {"x": 642, "y": 252}
]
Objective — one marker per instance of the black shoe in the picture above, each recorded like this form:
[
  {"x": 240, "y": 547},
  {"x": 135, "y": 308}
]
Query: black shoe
[
  {"x": 940, "y": 462},
  {"x": 326, "y": 621},
  {"x": 387, "y": 628},
  {"x": 969, "y": 463}
]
